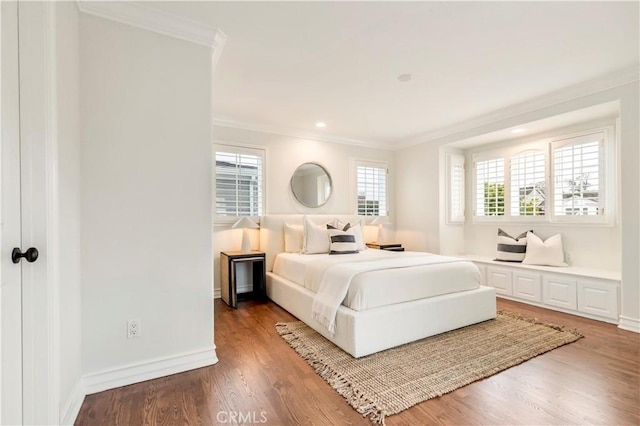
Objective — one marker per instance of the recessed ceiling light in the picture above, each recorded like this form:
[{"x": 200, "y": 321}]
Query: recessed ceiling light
[
  {"x": 321, "y": 124},
  {"x": 518, "y": 130},
  {"x": 404, "y": 77}
]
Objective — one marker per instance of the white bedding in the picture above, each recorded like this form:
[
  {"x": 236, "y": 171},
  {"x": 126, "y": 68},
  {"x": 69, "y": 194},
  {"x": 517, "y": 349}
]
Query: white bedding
[{"x": 382, "y": 287}]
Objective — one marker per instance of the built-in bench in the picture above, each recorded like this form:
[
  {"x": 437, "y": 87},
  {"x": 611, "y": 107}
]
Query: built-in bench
[{"x": 592, "y": 293}]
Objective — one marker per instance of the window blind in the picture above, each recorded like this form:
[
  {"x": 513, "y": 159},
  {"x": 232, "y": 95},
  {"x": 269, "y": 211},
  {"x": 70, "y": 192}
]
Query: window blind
[
  {"x": 528, "y": 184},
  {"x": 371, "y": 184},
  {"x": 239, "y": 185},
  {"x": 490, "y": 187}
]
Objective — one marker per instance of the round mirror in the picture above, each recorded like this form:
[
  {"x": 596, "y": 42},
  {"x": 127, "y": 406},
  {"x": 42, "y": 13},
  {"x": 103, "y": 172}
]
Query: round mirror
[{"x": 311, "y": 185}]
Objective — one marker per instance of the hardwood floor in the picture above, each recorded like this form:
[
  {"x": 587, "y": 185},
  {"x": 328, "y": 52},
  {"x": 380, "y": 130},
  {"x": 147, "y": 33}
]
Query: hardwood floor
[{"x": 260, "y": 379}]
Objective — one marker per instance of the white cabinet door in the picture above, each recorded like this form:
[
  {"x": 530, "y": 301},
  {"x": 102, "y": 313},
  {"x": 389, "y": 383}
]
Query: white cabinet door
[
  {"x": 527, "y": 286},
  {"x": 559, "y": 291},
  {"x": 500, "y": 278},
  {"x": 598, "y": 298},
  {"x": 483, "y": 274}
]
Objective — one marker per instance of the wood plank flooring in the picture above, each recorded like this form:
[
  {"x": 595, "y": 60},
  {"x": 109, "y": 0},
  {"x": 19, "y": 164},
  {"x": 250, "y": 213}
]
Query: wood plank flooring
[{"x": 261, "y": 380}]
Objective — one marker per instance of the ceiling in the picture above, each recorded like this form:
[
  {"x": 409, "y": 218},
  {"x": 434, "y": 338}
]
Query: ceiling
[{"x": 287, "y": 65}]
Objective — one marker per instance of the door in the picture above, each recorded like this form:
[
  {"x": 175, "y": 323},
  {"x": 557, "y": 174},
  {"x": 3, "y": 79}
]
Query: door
[
  {"x": 10, "y": 274},
  {"x": 29, "y": 326}
]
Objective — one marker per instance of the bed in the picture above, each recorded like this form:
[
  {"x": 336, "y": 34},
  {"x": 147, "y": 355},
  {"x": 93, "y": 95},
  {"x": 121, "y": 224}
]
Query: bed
[{"x": 383, "y": 307}]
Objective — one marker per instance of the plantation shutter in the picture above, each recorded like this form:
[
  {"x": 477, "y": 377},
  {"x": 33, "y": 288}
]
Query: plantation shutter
[
  {"x": 456, "y": 188},
  {"x": 371, "y": 181},
  {"x": 528, "y": 184},
  {"x": 239, "y": 183},
  {"x": 577, "y": 176},
  {"x": 490, "y": 187}
]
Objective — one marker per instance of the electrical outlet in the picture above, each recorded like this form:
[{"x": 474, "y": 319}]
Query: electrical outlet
[{"x": 133, "y": 329}]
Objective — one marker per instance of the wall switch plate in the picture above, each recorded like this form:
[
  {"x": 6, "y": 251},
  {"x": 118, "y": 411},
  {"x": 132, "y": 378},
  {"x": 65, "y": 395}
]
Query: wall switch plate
[{"x": 133, "y": 329}]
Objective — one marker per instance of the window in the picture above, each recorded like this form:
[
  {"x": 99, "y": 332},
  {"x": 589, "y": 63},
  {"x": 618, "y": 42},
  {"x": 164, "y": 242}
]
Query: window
[
  {"x": 456, "y": 188},
  {"x": 577, "y": 179},
  {"x": 528, "y": 184},
  {"x": 490, "y": 187},
  {"x": 563, "y": 179},
  {"x": 371, "y": 189},
  {"x": 239, "y": 187}
]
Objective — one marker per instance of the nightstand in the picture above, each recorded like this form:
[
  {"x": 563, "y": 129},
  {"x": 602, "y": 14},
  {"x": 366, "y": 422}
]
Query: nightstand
[
  {"x": 229, "y": 261},
  {"x": 386, "y": 246}
]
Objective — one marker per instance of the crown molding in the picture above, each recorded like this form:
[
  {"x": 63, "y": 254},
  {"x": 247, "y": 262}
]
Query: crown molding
[
  {"x": 298, "y": 133},
  {"x": 608, "y": 81},
  {"x": 156, "y": 20}
]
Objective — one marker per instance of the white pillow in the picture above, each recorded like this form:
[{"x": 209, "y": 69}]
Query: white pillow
[
  {"x": 342, "y": 242},
  {"x": 547, "y": 253},
  {"x": 357, "y": 231},
  {"x": 293, "y": 237},
  {"x": 316, "y": 238}
]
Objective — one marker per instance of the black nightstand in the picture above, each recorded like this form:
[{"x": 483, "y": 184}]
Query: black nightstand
[
  {"x": 386, "y": 246},
  {"x": 229, "y": 261}
]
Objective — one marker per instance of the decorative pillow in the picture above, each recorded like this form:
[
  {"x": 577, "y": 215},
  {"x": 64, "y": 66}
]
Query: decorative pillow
[
  {"x": 547, "y": 253},
  {"x": 511, "y": 249},
  {"x": 342, "y": 242},
  {"x": 315, "y": 237},
  {"x": 357, "y": 231},
  {"x": 293, "y": 237},
  {"x": 338, "y": 225}
]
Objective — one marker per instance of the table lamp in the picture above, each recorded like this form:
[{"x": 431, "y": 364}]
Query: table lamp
[
  {"x": 245, "y": 224},
  {"x": 381, "y": 221}
]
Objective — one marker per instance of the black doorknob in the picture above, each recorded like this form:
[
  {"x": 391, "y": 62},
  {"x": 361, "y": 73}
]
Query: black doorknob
[{"x": 31, "y": 255}]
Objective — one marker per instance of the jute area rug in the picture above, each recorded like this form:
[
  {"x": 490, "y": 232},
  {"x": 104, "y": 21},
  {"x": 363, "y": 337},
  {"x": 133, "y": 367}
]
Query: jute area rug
[{"x": 391, "y": 381}]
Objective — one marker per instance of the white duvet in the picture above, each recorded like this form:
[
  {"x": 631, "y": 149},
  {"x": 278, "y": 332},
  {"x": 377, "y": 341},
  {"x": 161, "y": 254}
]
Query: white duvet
[{"x": 368, "y": 290}]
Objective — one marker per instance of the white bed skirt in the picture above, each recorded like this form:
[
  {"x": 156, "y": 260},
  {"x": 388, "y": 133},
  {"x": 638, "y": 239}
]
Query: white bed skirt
[{"x": 362, "y": 333}]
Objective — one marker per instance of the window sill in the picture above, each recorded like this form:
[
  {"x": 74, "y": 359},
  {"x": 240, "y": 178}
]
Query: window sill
[{"x": 605, "y": 223}]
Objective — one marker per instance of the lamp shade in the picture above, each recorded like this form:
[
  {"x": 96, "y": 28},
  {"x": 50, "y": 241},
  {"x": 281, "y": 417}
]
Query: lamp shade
[{"x": 245, "y": 224}]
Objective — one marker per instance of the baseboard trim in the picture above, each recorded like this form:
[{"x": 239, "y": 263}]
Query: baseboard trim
[
  {"x": 72, "y": 407},
  {"x": 152, "y": 369},
  {"x": 629, "y": 324}
]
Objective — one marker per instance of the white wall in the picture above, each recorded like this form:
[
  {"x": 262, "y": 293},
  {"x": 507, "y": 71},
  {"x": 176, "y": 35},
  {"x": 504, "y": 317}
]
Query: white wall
[
  {"x": 146, "y": 195},
  {"x": 284, "y": 155},
  {"x": 418, "y": 183},
  {"x": 69, "y": 181},
  {"x": 418, "y": 197}
]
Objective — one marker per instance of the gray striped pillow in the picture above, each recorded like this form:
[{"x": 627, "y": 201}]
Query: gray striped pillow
[
  {"x": 511, "y": 249},
  {"x": 342, "y": 242}
]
